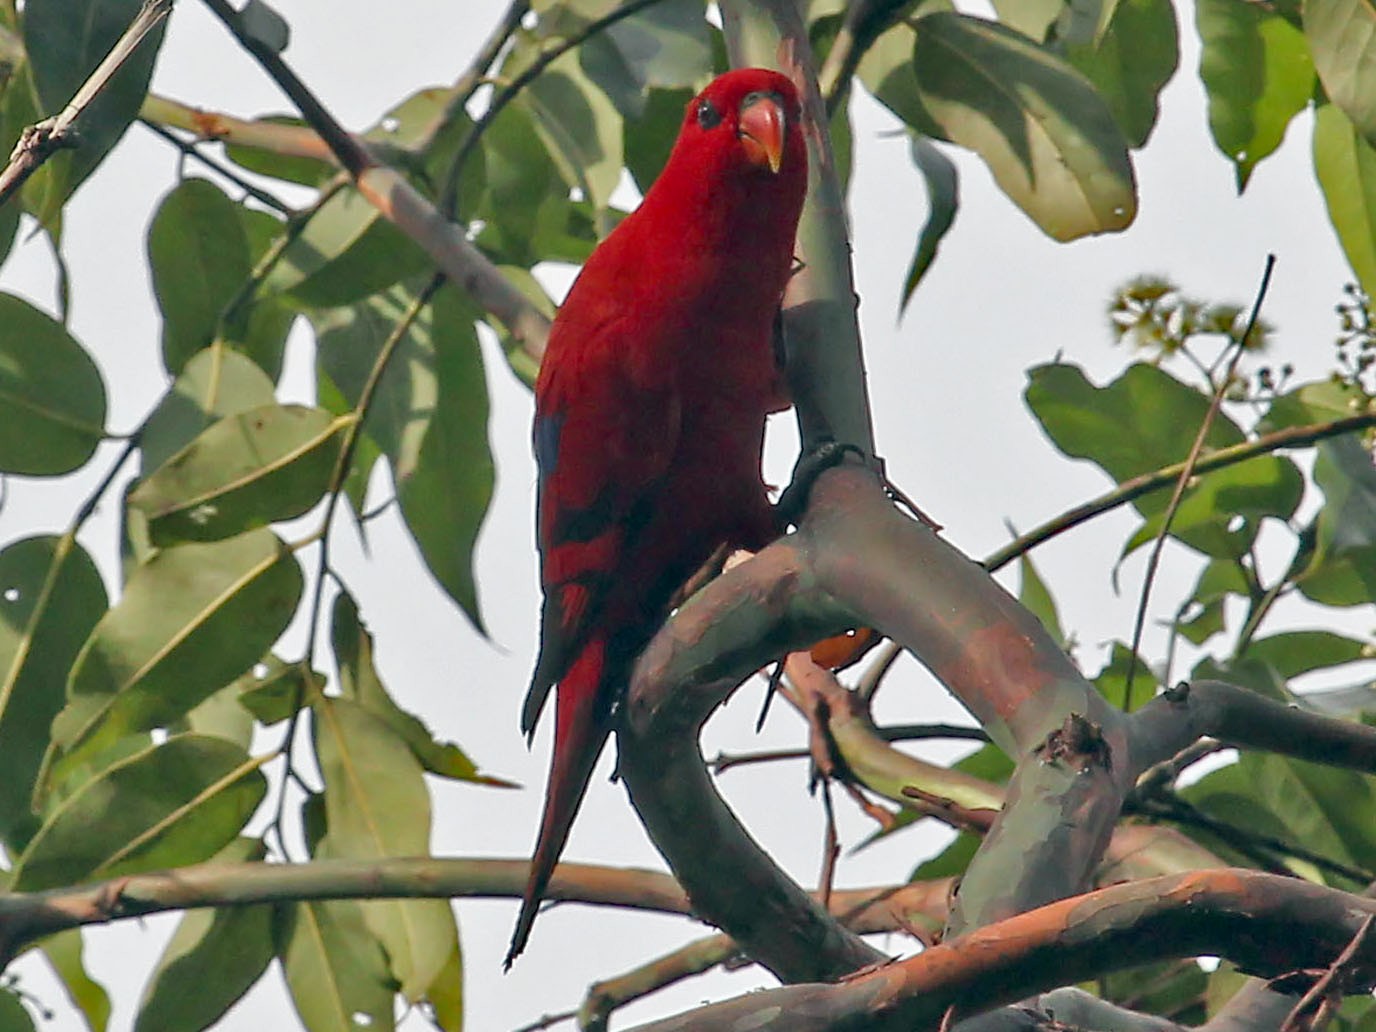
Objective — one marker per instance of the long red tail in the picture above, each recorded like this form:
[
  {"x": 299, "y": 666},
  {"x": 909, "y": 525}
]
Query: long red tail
[{"x": 580, "y": 730}]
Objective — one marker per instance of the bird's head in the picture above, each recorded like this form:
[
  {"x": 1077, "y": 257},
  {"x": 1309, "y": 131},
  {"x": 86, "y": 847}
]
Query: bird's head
[{"x": 750, "y": 119}]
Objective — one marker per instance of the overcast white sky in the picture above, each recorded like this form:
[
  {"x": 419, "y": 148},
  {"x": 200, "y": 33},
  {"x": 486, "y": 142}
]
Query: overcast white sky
[{"x": 946, "y": 385}]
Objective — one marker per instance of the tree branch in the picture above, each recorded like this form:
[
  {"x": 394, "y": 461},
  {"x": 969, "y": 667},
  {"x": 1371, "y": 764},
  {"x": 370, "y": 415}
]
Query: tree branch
[
  {"x": 400, "y": 203},
  {"x": 1263, "y": 923},
  {"x": 39, "y": 142}
]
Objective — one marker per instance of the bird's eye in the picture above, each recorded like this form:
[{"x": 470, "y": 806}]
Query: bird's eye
[{"x": 708, "y": 115}]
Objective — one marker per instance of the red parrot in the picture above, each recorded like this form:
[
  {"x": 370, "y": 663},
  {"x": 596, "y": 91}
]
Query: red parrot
[{"x": 649, "y": 416}]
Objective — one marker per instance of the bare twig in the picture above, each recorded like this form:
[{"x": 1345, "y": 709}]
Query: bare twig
[
  {"x": 39, "y": 142},
  {"x": 1186, "y": 473},
  {"x": 1324, "y": 989}
]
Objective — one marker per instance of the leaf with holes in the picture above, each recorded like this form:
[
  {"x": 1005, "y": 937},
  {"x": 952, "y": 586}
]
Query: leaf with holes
[
  {"x": 191, "y": 620},
  {"x": 172, "y": 804},
  {"x": 248, "y": 470}
]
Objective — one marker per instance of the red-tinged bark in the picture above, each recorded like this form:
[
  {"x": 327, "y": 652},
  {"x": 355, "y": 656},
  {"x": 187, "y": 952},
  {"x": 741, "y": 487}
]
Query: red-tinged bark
[{"x": 1266, "y": 924}]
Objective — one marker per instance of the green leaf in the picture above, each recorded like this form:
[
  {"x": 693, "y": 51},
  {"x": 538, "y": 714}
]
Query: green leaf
[
  {"x": 9, "y": 223},
  {"x": 1037, "y": 599},
  {"x": 1032, "y": 18},
  {"x": 943, "y": 200},
  {"x": 258, "y": 328},
  {"x": 63, "y": 954},
  {"x": 648, "y": 139},
  {"x": 520, "y": 175},
  {"x": 1345, "y": 165},
  {"x": 667, "y": 45},
  {"x": 13, "y": 1016},
  {"x": 1317, "y": 402},
  {"x": 64, "y": 46},
  {"x": 1129, "y": 60},
  {"x": 191, "y": 620},
  {"x": 1258, "y": 74},
  {"x": 377, "y": 805},
  {"x": 888, "y": 72},
  {"x": 577, "y": 123},
  {"x": 51, "y": 596},
  {"x": 50, "y": 392},
  {"x": 171, "y": 804},
  {"x": 1342, "y": 38},
  {"x": 1112, "y": 680},
  {"x": 278, "y": 689},
  {"x": 248, "y": 470},
  {"x": 199, "y": 259},
  {"x": 1343, "y": 572},
  {"x": 951, "y": 861},
  {"x": 1146, "y": 419},
  {"x": 1039, "y": 125},
  {"x": 346, "y": 251},
  {"x": 445, "y": 995},
  {"x": 1292, "y": 653},
  {"x": 289, "y": 167},
  {"x": 222, "y": 952},
  {"x": 216, "y": 383},
  {"x": 359, "y": 681},
  {"x": 335, "y": 969},
  {"x": 348, "y": 343},
  {"x": 445, "y": 498}
]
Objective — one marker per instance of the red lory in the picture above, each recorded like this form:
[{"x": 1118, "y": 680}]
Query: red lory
[{"x": 649, "y": 416}]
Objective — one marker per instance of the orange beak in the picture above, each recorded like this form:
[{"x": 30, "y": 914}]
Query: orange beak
[{"x": 761, "y": 130}]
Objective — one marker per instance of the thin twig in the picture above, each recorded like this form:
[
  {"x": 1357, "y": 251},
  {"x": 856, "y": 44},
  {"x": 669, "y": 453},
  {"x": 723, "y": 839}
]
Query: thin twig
[
  {"x": 1191, "y": 460},
  {"x": 1322, "y": 990},
  {"x": 39, "y": 142},
  {"x": 448, "y": 194},
  {"x": 189, "y": 148},
  {"x": 1145, "y": 483},
  {"x": 347, "y": 449}
]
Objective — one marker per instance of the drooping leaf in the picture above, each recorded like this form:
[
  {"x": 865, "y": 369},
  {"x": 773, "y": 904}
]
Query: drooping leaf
[
  {"x": 336, "y": 970},
  {"x": 51, "y": 596},
  {"x": 51, "y": 393},
  {"x": 190, "y": 621},
  {"x": 216, "y": 382},
  {"x": 278, "y": 689},
  {"x": 292, "y": 168},
  {"x": 445, "y": 498},
  {"x": 647, "y": 140},
  {"x": 888, "y": 72},
  {"x": 221, "y": 952},
  {"x": 1345, "y": 165},
  {"x": 943, "y": 200},
  {"x": 199, "y": 259},
  {"x": 445, "y": 995},
  {"x": 1258, "y": 73},
  {"x": 1342, "y": 38},
  {"x": 1129, "y": 59},
  {"x": 360, "y": 681},
  {"x": 377, "y": 805},
  {"x": 63, "y": 953},
  {"x": 1343, "y": 572},
  {"x": 247, "y": 470},
  {"x": 258, "y": 328},
  {"x": 64, "y": 46},
  {"x": 1147, "y": 419},
  {"x": 171, "y": 804},
  {"x": 1046, "y": 135}
]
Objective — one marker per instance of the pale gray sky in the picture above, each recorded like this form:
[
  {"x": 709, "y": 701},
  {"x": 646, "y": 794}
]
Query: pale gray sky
[{"x": 946, "y": 385}]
